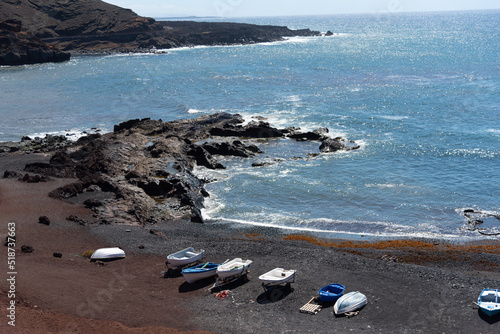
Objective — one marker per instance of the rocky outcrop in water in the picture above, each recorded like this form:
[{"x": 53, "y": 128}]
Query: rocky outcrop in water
[{"x": 143, "y": 171}]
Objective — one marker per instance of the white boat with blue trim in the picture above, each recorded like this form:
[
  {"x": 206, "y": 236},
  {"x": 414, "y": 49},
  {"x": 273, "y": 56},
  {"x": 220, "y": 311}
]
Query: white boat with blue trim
[
  {"x": 489, "y": 301},
  {"x": 184, "y": 257}
]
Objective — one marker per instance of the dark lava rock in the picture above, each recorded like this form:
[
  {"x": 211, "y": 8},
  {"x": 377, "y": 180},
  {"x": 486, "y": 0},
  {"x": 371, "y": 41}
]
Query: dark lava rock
[
  {"x": 67, "y": 191},
  {"x": 44, "y": 220},
  {"x": 196, "y": 216},
  {"x": 27, "y": 249},
  {"x": 11, "y": 175},
  {"x": 203, "y": 157},
  {"x": 236, "y": 148},
  {"x": 34, "y": 178},
  {"x": 127, "y": 125},
  {"x": 56, "y": 254},
  {"x": 251, "y": 130},
  {"x": 132, "y": 175},
  {"x": 76, "y": 219},
  {"x": 318, "y": 134},
  {"x": 95, "y": 25},
  {"x": 92, "y": 203},
  {"x": 337, "y": 144}
]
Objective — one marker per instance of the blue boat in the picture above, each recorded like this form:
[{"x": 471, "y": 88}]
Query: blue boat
[
  {"x": 331, "y": 292},
  {"x": 199, "y": 272},
  {"x": 489, "y": 301}
]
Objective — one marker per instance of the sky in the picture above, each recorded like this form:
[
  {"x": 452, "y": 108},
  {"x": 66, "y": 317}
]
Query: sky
[{"x": 238, "y": 8}]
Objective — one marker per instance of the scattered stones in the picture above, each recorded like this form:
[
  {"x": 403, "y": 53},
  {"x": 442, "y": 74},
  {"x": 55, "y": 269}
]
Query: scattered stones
[
  {"x": 389, "y": 258},
  {"x": 27, "y": 249},
  {"x": 92, "y": 203},
  {"x": 34, "y": 178},
  {"x": 11, "y": 175},
  {"x": 78, "y": 220},
  {"x": 44, "y": 220}
]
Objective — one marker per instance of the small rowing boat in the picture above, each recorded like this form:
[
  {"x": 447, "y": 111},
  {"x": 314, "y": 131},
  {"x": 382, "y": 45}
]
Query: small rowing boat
[
  {"x": 350, "y": 302},
  {"x": 199, "y": 272},
  {"x": 184, "y": 257},
  {"x": 489, "y": 301},
  {"x": 277, "y": 276},
  {"x": 235, "y": 267},
  {"x": 331, "y": 292}
]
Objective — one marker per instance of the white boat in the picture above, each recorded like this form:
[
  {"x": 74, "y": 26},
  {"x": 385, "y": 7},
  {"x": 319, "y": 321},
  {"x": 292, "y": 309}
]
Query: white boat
[
  {"x": 111, "y": 253},
  {"x": 184, "y": 257},
  {"x": 277, "y": 276},
  {"x": 489, "y": 301},
  {"x": 199, "y": 272},
  {"x": 350, "y": 302},
  {"x": 234, "y": 267}
]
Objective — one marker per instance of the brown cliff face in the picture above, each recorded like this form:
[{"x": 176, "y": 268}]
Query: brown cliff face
[
  {"x": 18, "y": 46},
  {"x": 57, "y": 18},
  {"x": 94, "y": 25}
]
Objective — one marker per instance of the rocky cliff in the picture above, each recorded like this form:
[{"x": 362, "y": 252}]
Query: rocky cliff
[
  {"x": 93, "y": 25},
  {"x": 18, "y": 46}
]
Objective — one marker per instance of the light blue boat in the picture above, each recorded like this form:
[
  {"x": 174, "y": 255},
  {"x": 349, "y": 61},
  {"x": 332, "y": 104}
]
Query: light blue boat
[
  {"x": 350, "y": 302},
  {"x": 489, "y": 301}
]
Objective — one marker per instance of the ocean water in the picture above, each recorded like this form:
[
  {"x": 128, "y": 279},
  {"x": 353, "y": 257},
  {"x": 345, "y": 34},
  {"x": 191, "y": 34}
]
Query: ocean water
[{"x": 419, "y": 92}]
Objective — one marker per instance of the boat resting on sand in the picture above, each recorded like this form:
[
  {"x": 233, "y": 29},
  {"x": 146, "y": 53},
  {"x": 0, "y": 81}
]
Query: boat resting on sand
[
  {"x": 331, "y": 292},
  {"x": 184, "y": 257},
  {"x": 350, "y": 302},
  {"x": 235, "y": 267},
  {"x": 108, "y": 254},
  {"x": 489, "y": 301},
  {"x": 277, "y": 276},
  {"x": 201, "y": 271}
]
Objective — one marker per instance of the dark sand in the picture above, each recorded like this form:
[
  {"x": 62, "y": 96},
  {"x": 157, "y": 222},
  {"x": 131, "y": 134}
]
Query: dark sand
[{"x": 72, "y": 295}]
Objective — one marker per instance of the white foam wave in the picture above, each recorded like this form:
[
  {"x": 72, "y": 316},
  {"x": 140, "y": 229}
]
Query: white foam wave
[
  {"x": 72, "y": 134},
  {"x": 428, "y": 233},
  {"x": 473, "y": 152},
  {"x": 394, "y": 118}
]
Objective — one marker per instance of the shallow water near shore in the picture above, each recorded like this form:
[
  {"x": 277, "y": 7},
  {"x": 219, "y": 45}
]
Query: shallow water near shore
[{"x": 419, "y": 92}]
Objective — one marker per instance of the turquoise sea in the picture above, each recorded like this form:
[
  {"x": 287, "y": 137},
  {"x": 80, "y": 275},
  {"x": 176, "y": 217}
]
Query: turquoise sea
[{"x": 419, "y": 92}]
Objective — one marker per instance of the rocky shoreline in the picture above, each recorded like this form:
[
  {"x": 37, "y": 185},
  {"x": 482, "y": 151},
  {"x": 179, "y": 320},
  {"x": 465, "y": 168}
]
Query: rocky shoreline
[
  {"x": 58, "y": 27},
  {"x": 142, "y": 172},
  {"x": 135, "y": 188}
]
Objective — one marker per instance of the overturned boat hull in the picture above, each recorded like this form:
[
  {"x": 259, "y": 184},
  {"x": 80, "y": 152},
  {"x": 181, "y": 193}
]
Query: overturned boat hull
[
  {"x": 350, "y": 302},
  {"x": 108, "y": 254}
]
